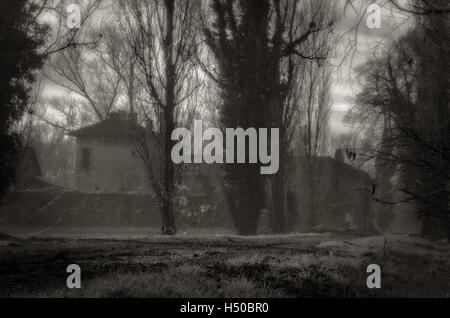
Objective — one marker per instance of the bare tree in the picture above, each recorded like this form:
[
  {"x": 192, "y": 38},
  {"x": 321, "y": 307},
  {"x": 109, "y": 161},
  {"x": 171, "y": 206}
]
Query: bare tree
[
  {"x": 400, "y": 88},
  {"x": 162, "y": 36},
  {"x": 314, "y": 112},
  {"x": 78, "y": 71},
  {"x": 422, "y": 7},
  {"x": 55, "y": 13},
  {"x": 119, "y": 57}
]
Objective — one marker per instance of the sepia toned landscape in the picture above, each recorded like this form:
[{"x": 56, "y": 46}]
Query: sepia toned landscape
[{"x": 225, "y": 149}]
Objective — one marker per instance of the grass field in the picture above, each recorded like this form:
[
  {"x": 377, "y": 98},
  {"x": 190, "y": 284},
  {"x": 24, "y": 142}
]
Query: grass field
[{"x": 126, "y": 263}]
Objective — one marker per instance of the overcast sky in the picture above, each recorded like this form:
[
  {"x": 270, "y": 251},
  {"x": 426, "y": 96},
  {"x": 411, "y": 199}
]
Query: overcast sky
[{"x": 352, "y": 26}]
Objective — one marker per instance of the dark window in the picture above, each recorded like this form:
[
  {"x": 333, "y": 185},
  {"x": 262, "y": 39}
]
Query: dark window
[{"x": 86, "y": 159}]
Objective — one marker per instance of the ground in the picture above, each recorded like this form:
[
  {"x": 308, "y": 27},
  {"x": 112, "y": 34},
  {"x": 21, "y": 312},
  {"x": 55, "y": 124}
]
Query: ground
[{"x": 136, "y": 263}]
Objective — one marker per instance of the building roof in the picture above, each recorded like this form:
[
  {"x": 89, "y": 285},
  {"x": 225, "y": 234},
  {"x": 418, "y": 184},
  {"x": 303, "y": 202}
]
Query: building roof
[
  {"x": 345, "y": 168},
  {"x": 111, "y": 127}
]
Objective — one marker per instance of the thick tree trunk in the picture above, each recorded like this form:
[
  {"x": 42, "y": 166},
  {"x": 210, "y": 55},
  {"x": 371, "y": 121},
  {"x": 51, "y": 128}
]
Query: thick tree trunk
[
  {"x": 248, "y": 219},
  {"x": 312, "y": 217},
  {"x": 168, "y": 226},
  {"x": 278, "y": 202},
  {"x": 245, "y": 195},
  {"x": 434, "y": 226},
  {"x": 168, "y": 180}
]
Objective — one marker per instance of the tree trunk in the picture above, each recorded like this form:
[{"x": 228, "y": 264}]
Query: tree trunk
[
  {"x": 167, "y": 210},
  {"x": 311, "y": 176},
  {"x": 278, "y": 202},
  {"x": 245, "y": 196},
  {"x": 168, "y": 226}
]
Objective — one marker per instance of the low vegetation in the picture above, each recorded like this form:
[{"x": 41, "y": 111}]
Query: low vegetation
[{"x": 302, "y": 265}]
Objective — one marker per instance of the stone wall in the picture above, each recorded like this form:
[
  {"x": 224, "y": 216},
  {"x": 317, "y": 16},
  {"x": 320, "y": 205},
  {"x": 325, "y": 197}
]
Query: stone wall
[{"x": 45, "y": 208}]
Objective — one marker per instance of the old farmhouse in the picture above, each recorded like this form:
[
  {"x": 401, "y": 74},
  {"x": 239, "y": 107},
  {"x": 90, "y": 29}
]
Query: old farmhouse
[{"x": 105, "y": 161}]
